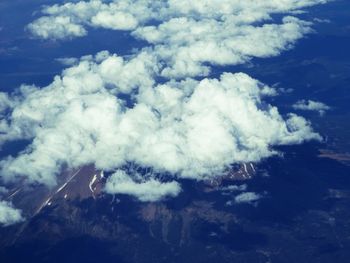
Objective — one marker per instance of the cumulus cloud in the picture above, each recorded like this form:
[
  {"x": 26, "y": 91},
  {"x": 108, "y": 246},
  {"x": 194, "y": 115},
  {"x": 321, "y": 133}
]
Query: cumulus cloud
[
  {"x": 145, "y": 190},
  {"x": 57, "y": 27},
  {"x": 190, "y": 128},
  {"x": 185, "y": 35},
  {"x": 194, "y": 43},
  {"x": 72, "y": 19},
  {"x": 111, "y": 111},
  {"x": 8, "y": 214},
  {"x": 311, "y": 105}
]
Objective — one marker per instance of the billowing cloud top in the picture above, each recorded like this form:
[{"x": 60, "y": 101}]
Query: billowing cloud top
[{"x": 186, "y": 127}]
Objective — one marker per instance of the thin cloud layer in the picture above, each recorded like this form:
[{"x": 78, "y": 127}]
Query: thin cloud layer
[
  {"x": 110, "y": 111},
  {"x": 248, "y": 198}
]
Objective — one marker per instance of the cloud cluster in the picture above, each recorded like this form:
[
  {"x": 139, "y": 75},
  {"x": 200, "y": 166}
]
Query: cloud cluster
[
  {"x": 8, "y": 214},
  {"x": 311, "y": 105},
  {"x": 192, "y": 129},
  {"x": 111, "y": 111},
  {"x": 71, "y": 19},
  {"x": 195, "y": 43},
  {"x": 185, "y": 35}
]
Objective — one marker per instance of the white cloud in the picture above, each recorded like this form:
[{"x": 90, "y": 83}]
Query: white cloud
[
  {"x": 196, "y": 42},
  {"x": 234, "y": 188},
  {"x": 191, "y": 129},
  {"x": 57, "y": 27},
  {"x": 8, "y": 214},
  {"x": 311, "y": 105},
  {"x": 72, "y": 19},
  {"x": 248, "y": 197},
  {"x": 188, "y": 35},
  {"x": 116, "y": 20},
  {"x": 149, "y": 190}
]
